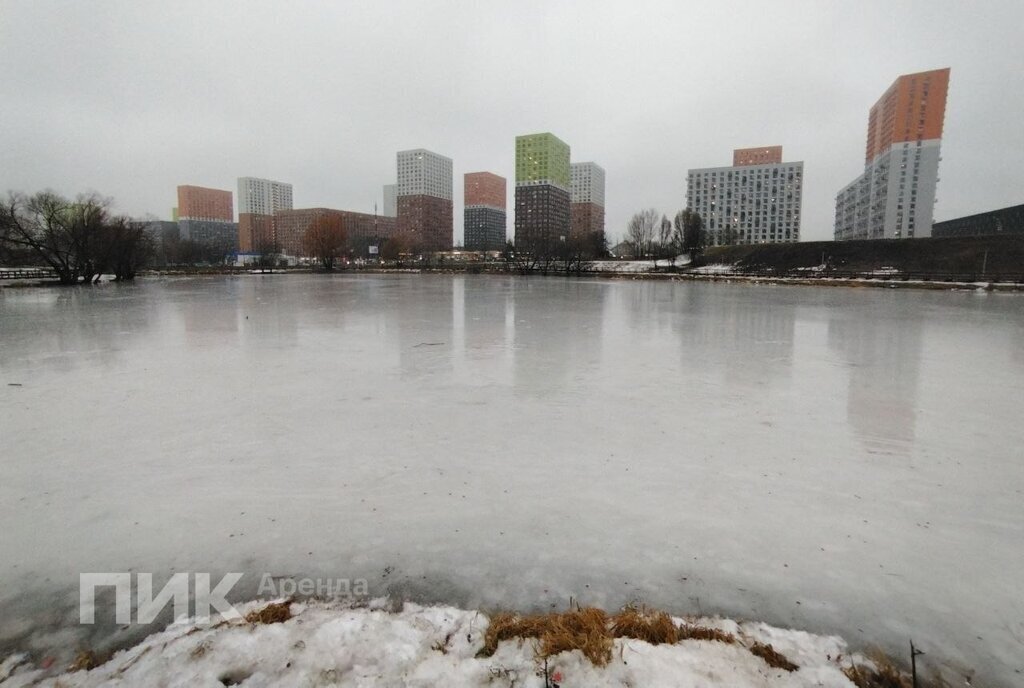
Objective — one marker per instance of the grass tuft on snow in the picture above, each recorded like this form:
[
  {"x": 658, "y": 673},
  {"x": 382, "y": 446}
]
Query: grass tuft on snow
[
  {"x": 275, "y": 612},
  {"x": 654, "y": 627},
  {"x": 86, "y": 660},
  {"x": 883, "y": 674},
  {"x": 592, "y": 632},
  {"x": 694, "y": 632},
  {"x": 586, "y": 630},
  {"x": 775, "y": 660}
]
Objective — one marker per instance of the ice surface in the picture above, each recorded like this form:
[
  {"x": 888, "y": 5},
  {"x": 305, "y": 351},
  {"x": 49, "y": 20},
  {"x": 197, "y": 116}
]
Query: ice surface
[{"x": 843, "y": 460}]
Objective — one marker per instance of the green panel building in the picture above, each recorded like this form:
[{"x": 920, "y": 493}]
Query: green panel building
[
  {"x": 543, "y": 180},
  {"x": 542, "y": 158}
]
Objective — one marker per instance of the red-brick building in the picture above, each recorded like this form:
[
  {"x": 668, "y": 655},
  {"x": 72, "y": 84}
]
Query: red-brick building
[
  {"x": 361, "y": 229},
  {"x": 255, "y": 232},
  {"x": 586, "y": 219},
  {"x": 428, "y": 220},
  {"x": 201, "y": 203}
]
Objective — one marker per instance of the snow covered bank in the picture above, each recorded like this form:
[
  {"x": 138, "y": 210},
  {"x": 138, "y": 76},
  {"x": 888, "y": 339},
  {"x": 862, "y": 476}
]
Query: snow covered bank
[
  {"x": 330, "y": 644},
  {"x": 637, "y": 266}
]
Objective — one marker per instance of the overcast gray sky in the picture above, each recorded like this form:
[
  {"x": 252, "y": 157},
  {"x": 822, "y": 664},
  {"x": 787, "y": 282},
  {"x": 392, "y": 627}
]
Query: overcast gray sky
[{"x": 132, "y": 98}]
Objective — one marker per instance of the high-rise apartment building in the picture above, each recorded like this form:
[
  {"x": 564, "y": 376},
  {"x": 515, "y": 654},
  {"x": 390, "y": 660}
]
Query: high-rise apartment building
[
  {"x": 207, "y": 216},
  {"x": 484, "y": 215},
  {"x": 424, "y": 199},
  {"x": 258, "y": 201},
  {"x": 587, "y": 210},
  {"x": 894, "y": 197},
  {"x": 542, "y": 190},
  {"x": 757, "y": 201},
  {"x": 390, "y": 200}
]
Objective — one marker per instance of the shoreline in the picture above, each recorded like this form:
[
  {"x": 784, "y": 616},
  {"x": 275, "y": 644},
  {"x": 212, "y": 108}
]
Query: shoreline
[
  {"x": 894, "y": 282},
  {"x": 288, "y": 642}
]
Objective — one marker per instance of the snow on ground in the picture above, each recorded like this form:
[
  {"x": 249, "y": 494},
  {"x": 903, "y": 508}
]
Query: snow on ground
[
  {"x": 633, "y": 266},
  {"x": 715, "y": 269},
  {"x": 328, "y": 644}
]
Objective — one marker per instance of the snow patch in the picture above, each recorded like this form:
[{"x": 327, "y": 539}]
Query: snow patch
[
  {"x": 331, "y": 644},
  {"x": 715, "y": 269}
]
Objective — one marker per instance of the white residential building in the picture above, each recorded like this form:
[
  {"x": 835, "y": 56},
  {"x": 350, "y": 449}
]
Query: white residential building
[
  {"x": 423, "y": 173},
  {"x": 587, "y": 183},
  {"x": 753, "y": 203},
  {"x": 263, "y": 196}
]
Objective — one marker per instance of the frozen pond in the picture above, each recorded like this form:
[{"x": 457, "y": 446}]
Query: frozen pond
[{"x": 842, "y": 460}]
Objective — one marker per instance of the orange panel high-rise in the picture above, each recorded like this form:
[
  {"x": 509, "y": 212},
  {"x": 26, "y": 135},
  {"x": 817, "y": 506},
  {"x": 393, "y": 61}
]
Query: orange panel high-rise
[{"x": 895, "y": 196}]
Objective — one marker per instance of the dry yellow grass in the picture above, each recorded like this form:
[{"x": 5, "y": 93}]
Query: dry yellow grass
[
  {"x": 654, "y": 627},
  {"x": 884, "y": 675},
  {"x": 592, "y": 631},
  {"x": 275, "y": 612},
  {"x": 775, "y": 659},
  {"x": 585, "y": 630},
  {"x": 85, "y": 660},
  {"x": 506, "y": 626},
  {"x": 688, "y": 632}
]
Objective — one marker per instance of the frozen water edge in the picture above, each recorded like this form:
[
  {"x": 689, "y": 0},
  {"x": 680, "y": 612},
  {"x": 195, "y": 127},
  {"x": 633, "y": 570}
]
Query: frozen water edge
[{"x": 332, "y": 644}]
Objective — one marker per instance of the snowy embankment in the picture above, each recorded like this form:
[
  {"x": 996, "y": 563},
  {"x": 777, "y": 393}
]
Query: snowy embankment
[
  {"x": 638, "y": 266},
  {"x": 319, "y": 644}
]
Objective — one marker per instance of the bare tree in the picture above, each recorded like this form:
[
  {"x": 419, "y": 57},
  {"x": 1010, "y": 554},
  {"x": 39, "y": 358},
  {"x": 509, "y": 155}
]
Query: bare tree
[
  {"x": 666, "y": 247},
  {"x": 269, "y": 250},
  {"x": 79, "y": 240},
  {"x": 178, "y": 251},
  {"x": 576, "y": 253},
  {"x": 325, "y": 240},
  {"x": 400, "y": 247},
  {"x": 689, "y": 233},
  {"x": 8, "y": 251},
  {"x": 640, "y": 232},
  {"x": 596, "y": 244},
  {"x": 37, "y": 224},
  {"x": 508, "y": 255},
  {"x": 126, "y": 248}
]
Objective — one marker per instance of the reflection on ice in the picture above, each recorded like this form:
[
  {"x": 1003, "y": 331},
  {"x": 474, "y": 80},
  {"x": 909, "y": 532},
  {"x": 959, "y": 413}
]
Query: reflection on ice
[{"x": 883, "y": 358}]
